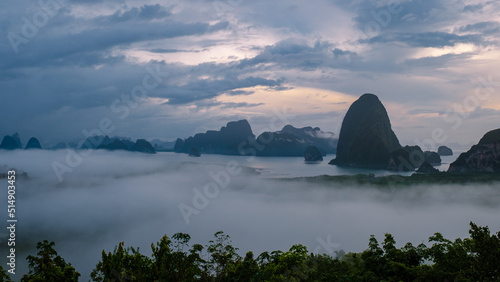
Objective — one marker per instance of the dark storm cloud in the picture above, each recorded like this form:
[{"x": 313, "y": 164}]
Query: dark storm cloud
[
  {"x": 438, "y": 61},
  {"x": 226, "y": 105},
  {"x": 207, "y": 89},
  {"x": 292, "y": 54},
  {"x": 51, "y": 50},
  {"x": 146, "y": 12},
  {"x": 473, "y": 8},
  {"x": 487, "y": 28},
  {"x": 427, "y": 39},
  {"x": 397, "y": 15},
  {"x": 239, "y": 92},
  {"x": 240, "y": 105}
]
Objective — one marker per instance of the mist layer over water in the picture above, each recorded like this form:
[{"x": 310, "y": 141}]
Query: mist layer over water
[{"x": 135, "y": 198}]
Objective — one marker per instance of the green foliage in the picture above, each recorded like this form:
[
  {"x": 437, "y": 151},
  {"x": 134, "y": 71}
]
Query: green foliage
[
  {"x": 48, "y": 266},
  {"x": 3, "y": 275},
  {"x": 124, "y": 264},
  {"x": 223, "y": 256},
  {"x": 172, "y": 263},
  {"x": 246, "y": 270},
  {"x": 173, "y": 259},
  {"x": 485, "y": 254}
]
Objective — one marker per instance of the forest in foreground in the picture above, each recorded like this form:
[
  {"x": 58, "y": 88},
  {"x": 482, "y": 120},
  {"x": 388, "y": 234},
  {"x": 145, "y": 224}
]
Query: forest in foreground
[{"x": 476, "y": 258}]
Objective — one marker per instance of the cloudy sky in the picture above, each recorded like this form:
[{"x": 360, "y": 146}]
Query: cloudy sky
[{"x": 168, "y": 69}]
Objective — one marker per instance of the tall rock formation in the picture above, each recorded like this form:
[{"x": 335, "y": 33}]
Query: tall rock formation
[
  {"x": 9, "y": 143},
  {"x": 291, "y": 141},
  {"x": 312, "y": 154},
  {"x": 366, "y": 138},
  {"x": 143, "y": 146},
  {"x": 483, "y": 157},
  {"x": 17, "y": 139},
  {"x": 33, "y": 143},
  {"x": 225, "y": 141},
  {"x": 236, "y": 138}
]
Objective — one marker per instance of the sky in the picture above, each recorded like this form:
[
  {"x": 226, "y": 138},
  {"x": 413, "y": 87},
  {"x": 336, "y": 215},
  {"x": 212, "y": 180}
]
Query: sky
[{"x": 169, "y": 69}]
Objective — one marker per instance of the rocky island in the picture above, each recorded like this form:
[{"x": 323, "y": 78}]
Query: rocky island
[
  {"x": 366, "y": 138},
  {"x": 483, "y": 157}
]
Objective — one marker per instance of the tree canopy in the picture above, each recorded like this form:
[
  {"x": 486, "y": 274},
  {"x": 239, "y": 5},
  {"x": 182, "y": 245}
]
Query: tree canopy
[{"x": 175, "y": 259}]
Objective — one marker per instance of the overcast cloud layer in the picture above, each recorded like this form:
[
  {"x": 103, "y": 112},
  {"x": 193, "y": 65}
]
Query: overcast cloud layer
[{"x": 168, "y": 69}]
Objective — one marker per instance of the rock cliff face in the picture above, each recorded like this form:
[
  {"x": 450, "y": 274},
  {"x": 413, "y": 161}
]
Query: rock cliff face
[
  {"x": 483, "y": 157},
  {"x": 366, "y": 138},
  {"x": 17, "y": 139},
  {"x": 312, "y": 154},
  {"x": 33, "y": 143},
  {"x": 236, "y": 138},
  {"x": 225, "y": 141},
  {"x": 324, "y": 141},
  {"x": 143, "y": 146},
  {"x": 9, "y": 143},
  {"x": 432, "y": 158},
  {"x": 426, "y": 168},
  {"x": 291, "y": 141}
]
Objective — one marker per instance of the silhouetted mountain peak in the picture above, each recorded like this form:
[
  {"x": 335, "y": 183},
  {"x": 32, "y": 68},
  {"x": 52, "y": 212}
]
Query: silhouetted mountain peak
[
  {"x": 33, "y": 143},
  {"x": 17, "y": 138},
  {"x": 490, "y": 137},
  {"x": 143, "y": 146},
  {"x": 483, "y": 157},
  {"x": 225, "y": 141},
  {"x": 9, "y": 143},
  {"x": 366, "y": 138}
]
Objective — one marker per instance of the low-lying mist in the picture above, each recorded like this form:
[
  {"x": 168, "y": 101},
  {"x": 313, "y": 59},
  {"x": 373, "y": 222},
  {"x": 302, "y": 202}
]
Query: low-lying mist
[{"x": 111, "y": 197}]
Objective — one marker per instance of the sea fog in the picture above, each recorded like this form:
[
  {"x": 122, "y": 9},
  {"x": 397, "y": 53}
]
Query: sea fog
[{"x": 109, "y": 197}]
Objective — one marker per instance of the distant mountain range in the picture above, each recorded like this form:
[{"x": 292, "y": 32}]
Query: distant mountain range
[
  {"x": 13, "y": 142},
  {"x": 366, "y": 140},
  {"x": 112, "y": 144},
  {"x": 237, "y": 138},
  {"x": 226, "y": 141}
]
